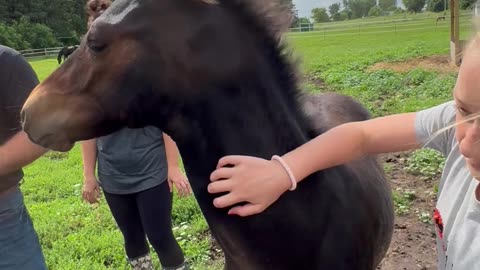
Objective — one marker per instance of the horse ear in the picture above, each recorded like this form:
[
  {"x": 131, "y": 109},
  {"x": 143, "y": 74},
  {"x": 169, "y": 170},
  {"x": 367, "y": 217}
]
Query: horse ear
[{"x": 210, "y": 2}]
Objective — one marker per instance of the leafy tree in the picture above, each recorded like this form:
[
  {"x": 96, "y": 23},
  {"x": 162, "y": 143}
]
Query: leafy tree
[
  {"x": 359, "y": 8},
  {"x": 9, "y": 37},
  {"x": 334, "y": 10},
  {"x": 387, "y": 4},
  {"x": 467, "y": 4},
  {"x": 375, "y": 11},
  {"x": 415, "y": 6},
  {"x": 436, "y": 5},
  {"x": 66, "y": 18},
  {"x": 35, "y": 34},
  {"x": 345, "y": 15},
  {"x": 320, "y": 15}
]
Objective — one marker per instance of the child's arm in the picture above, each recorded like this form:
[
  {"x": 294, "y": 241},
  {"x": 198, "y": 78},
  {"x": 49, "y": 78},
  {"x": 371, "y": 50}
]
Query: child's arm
[{"x": 260, "y": 182}]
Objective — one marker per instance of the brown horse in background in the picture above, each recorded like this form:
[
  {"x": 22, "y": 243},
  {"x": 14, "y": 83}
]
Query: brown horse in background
[
  {"x": 65, "y": 52},
  {"x": 215, "y": 76},
  {"x": 441, "y": 18}
]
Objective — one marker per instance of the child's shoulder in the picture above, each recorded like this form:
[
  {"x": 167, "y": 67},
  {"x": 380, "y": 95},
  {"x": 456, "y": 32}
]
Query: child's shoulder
[{"x": 444, "y": 112}]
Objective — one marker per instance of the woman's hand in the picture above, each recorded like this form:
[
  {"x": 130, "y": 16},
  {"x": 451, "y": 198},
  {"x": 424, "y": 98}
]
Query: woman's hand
[
  {"x": 179, "y": 180},
  {"x": 91, "y": 190},
  {"x": 256, "y": 181}
]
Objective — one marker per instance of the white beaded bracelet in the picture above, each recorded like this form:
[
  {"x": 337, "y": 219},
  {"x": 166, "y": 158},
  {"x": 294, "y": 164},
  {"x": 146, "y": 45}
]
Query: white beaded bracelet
[{"x": 288, "y": 170}]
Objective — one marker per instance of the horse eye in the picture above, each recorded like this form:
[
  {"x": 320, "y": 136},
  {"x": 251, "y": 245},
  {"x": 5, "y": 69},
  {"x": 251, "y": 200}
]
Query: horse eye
[{"x": 96, "y": 46}]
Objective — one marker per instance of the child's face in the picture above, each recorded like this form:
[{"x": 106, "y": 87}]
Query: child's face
[{"x": 467, "y": 100}]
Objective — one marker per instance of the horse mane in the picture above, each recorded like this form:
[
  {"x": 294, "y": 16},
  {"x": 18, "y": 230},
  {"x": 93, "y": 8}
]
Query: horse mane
[
  {"x": 268, "y": 16},
  {"x": 269, "y": 20}
]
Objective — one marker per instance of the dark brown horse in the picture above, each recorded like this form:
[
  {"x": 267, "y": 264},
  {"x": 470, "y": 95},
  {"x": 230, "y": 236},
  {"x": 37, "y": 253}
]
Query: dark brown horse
[
  {"x": 65, "y": 52},
  {"x": 214, "y": 76}
]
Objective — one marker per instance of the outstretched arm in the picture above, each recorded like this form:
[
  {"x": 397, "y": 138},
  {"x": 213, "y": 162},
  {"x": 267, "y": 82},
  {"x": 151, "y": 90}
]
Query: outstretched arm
[{"x": 261, "y": 182}]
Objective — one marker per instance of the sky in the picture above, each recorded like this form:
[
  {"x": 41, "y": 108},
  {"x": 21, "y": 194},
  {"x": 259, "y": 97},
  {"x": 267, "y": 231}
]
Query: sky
[{"x": 305, "y": 6}]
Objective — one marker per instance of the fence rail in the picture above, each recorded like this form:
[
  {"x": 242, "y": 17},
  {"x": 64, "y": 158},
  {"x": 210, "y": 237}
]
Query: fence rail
[
  {"x": 369, "y": 24},
  {"x": 41, "y": 53},
  {"x": 394, "y": 27}
]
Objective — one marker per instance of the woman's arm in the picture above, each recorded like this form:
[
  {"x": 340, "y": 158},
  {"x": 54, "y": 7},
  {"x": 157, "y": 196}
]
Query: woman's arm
[
  {"x": 89, "y": 156},
  {"x": 91, "y": 190},
  {"x": 175, "y": 174}
]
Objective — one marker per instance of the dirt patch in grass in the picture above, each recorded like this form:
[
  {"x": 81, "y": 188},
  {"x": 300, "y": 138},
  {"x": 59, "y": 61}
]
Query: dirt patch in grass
[
  {"x": 438, "y": 63},
  {"x": 413, "y": 243}
]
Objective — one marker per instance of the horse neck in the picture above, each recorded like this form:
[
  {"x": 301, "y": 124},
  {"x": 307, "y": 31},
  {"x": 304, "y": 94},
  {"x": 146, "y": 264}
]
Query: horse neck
[{"x": 254, "y": 117}]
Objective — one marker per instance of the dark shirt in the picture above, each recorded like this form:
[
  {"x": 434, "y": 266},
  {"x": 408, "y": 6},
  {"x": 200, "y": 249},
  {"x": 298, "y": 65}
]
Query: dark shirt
[
  {"x": 17, "y": 80},
  {"x": 131, "y": 160}
]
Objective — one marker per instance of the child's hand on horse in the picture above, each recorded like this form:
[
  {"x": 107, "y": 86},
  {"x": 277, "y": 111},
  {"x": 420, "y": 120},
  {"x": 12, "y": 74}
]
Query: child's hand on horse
[{"x": 256, "y": 181}]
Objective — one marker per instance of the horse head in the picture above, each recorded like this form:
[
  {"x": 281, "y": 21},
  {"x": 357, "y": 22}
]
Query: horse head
[{"x": 139, "y": 56}]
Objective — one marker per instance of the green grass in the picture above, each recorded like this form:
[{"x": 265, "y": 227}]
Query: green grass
[
  {"x": 75, "y": 235},
  {"x": 342, "y": 63},
  {"x": 44, "y": 67},
  {"x": 427, "y": 163}
]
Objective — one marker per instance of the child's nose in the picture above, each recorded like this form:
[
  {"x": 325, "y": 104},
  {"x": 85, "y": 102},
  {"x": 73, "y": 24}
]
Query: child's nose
[{"x": 470, "y": 145}]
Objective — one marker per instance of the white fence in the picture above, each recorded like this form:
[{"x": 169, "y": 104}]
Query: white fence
[
  {"x": 326, "y": 30},
  {"x": 41, "y": 53},
  {"x": 378, "y": 22}
]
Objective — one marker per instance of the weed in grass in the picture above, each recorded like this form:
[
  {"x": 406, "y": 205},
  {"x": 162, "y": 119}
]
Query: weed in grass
[
  {"x": 425, "y": 217},
  {"x": 52, "y": 155},
  {"x": 402, "y": 200},
  {"x": 426, "y": 162}
]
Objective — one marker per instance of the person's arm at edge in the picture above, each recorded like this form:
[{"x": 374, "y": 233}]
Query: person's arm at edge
[{"x": 18, "y": 152}]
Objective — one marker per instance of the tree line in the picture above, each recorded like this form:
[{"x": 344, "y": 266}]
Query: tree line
[
  {"x": 29, "y": 24},
  {"x": 353, "y": 9}
]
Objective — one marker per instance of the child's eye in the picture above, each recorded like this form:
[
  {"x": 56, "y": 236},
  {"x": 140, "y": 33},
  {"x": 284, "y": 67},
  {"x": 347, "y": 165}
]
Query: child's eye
[{"x": 462, "y": 111}]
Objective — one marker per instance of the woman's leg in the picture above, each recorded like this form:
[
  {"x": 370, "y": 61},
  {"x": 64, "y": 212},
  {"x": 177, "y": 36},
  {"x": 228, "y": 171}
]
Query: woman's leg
[
  {"x": 155, "y": 207},
  {"x": 125, "y": 211}
]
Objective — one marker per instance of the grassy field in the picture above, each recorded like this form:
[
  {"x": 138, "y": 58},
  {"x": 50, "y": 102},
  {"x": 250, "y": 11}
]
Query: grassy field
[
  {"x": 75, "y": 235},
  {"x": 341, "y": 61}
]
